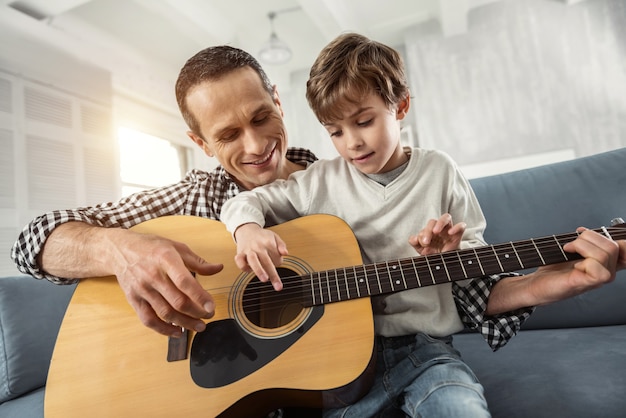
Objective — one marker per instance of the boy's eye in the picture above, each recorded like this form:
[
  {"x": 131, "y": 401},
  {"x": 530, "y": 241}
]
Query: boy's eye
[
  {"x": 335, "y": 133},
  {"x": 365, "y": 122}
]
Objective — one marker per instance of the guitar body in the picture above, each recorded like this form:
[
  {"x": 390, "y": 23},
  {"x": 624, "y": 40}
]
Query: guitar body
[{"x": 249, "y": 361}]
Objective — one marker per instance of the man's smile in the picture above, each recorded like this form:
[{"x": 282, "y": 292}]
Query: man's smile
[{"x": 263, "y": 160}]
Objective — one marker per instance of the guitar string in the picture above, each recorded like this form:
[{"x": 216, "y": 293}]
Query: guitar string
[
  {"x": 363, "y": 273},
  {"x": 338, "y": 274}
]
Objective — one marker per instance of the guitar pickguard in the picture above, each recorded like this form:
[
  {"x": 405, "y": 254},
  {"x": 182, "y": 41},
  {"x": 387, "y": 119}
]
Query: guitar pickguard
[{"x": 225, "y": 353}]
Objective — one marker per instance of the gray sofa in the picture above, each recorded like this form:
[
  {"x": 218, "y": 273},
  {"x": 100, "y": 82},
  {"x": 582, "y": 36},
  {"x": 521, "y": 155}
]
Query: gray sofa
[{"x": 568, "y": 361}]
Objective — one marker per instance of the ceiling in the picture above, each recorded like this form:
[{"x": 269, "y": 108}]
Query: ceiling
[{"x": 162, "y": 34}]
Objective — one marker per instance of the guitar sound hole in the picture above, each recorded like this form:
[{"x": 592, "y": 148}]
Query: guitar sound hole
[{"x": 267, "y": 308}]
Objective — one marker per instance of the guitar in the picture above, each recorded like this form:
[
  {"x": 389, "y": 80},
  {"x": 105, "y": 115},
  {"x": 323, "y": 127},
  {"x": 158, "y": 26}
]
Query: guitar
[{"x": 263, "y": 349}]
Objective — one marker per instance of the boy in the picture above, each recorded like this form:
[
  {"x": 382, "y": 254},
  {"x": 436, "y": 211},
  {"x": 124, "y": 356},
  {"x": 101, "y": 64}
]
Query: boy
[{"x": 358, "y": 90}]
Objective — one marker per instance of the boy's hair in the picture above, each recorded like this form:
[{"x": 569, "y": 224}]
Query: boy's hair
[
  {"x": 211, "y": 64},
  {"x": 348, "y": 69}
]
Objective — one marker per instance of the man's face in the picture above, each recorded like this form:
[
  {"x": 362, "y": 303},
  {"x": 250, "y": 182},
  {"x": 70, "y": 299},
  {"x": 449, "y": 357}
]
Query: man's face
[{"x": 242, "y": 127}]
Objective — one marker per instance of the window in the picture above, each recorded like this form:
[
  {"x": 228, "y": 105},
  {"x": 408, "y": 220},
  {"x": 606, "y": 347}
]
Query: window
[{"x": 147, "y": 161}]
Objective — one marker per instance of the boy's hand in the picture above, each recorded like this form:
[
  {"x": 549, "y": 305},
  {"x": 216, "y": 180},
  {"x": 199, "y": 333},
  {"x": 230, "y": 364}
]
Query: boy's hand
[
  {"x": 260, "y": 251},
  {"x": 439, "y": 235}
]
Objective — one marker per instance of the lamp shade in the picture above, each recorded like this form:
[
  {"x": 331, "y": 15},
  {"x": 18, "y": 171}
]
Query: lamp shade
[{"x": 275, "y": 51}]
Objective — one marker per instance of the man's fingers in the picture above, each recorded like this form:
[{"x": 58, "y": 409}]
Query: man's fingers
[{"x": 156, "y": 314}]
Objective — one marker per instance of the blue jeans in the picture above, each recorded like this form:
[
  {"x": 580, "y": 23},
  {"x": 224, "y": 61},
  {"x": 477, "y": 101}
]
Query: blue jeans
[{"x": 419, "y": 376}]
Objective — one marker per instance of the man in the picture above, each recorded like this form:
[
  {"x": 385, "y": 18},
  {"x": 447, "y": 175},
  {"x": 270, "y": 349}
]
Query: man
[{"x": 235, "y": 115}]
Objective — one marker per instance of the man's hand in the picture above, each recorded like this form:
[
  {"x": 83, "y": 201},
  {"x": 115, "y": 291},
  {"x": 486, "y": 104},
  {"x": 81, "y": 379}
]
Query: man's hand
[
  {"x": 155, "y": 274},
  {"x": 260, "y": 251},
  {"x": 438, "y": 235},
  {"x": 601, "y": 258}
]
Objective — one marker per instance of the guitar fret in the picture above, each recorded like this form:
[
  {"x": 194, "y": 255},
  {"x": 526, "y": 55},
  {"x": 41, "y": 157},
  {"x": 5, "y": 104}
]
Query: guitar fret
[
  {"x": 392, "y": 280},
  {"x": 345, "y": 279},
  {"x": 319, "y": 282},
  {"x": 538, "y": 252},
  {"x": 478, "y": 260},
  {"x": 445, "y": 267},
  {"x": 417, "y": 276},
  {"x": 380, "y": 288},
  {"x": 329, "y": 292},
  {"x": 497, "y": 259},
  {"x": 357, "y": 282},
  {"x": 458, "y": 255},
  {"x": 432, "y": 277},
  {"x": 311, "y": 285},
  {"x": 507, "y": 261},
  {"x": 402, "y": 274},
  {"x": 387, "y": 285},
  {"x": 517, "y": 255},
  {"x": 552, "y": 251},
  {"x": 560, "y": 248},
  {"x": 344, "y": 293},
  {"x": 454, "y": 266},
  {"x": 367, "y": 280}
]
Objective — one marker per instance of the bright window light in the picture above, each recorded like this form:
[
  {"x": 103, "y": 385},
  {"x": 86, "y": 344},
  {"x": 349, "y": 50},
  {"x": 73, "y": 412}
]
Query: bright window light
[{"x": 146, "y": 161}]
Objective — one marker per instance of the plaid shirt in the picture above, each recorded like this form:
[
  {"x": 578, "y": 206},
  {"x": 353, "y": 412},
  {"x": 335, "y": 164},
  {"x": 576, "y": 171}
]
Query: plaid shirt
[{"x": 202, "y": 194}]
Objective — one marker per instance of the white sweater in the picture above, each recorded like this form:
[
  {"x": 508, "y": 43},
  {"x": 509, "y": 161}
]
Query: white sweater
[{"x": 382, "y": 218}]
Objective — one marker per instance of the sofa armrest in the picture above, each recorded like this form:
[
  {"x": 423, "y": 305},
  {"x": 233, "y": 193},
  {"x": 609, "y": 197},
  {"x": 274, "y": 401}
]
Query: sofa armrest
[{"x": 31, "y": 312}]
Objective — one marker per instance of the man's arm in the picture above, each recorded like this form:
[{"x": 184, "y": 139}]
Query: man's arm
[
  {"x": 154, "y": 272},
  {"x": 602, "y": 258}
]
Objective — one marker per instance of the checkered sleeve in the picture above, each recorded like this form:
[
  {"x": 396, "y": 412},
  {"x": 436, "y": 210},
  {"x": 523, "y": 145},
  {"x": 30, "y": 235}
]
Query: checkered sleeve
[
  {"x": 125, "y": 213},
  {"x": 198, "y": 194},
  {"x": 471, "y": 299}
]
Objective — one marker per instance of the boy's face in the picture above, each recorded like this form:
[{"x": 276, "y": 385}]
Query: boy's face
[
  {"x": 368, "y": 135},
  {"x": 242, "y": 126}
]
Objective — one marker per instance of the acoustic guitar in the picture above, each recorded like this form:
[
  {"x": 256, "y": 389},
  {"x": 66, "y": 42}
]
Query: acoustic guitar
[{"x": 263, "y": 349}]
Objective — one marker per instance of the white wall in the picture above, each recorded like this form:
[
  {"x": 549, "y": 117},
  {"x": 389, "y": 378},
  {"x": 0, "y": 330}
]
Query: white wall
[{"x": 529, "y": 77}]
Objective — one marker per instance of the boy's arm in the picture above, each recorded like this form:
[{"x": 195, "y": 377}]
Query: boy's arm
[{"x": 260, "y": 251}]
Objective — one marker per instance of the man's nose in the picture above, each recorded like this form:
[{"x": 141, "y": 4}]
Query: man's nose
[{"x": 253, "y": 142}]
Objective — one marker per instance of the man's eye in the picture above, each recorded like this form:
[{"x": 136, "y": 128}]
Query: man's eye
[
  {"x": 260, "y": 120},
  {"x": 228, "y": 137}
]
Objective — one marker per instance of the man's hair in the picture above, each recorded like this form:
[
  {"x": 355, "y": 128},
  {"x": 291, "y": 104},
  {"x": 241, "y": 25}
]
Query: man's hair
[
  {"x": 211, "y": 64},
  {"x": 348, "y": 69}
]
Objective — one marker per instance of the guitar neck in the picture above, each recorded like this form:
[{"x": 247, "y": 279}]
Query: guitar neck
[{"x": 409, "y": 273}]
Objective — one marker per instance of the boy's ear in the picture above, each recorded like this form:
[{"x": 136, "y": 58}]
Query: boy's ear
[{"x": 403, "y": 107}]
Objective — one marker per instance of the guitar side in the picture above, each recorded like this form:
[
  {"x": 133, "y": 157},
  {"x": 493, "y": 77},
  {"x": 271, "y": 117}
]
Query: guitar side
[{"x": 106, "y": 363}]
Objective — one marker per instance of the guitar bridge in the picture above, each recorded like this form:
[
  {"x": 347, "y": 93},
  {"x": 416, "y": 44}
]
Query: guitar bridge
[{"x": 177, "y": 347}]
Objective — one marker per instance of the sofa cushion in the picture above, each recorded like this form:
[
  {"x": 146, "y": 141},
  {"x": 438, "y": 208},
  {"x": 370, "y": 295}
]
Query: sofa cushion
[
  {"x": 558, "y": 198},
  {"x": 576, "y": 372},
  {"x": 31, "y": 312},
  {"x": 29, "y": 405}
]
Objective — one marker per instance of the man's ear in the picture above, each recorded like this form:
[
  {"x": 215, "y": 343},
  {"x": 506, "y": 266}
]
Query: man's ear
[
  {"x": 200, "y": 142},
  {"x": 276, "y": 99},
  {"x": 403, "y": 107}
]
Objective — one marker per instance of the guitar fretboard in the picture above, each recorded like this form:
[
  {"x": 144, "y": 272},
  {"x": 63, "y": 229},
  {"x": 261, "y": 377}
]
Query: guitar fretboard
[{"x": 409, "y": 273}]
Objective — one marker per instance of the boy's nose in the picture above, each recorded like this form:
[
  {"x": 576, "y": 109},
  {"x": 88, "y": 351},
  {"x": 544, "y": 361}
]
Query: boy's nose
[{"x": 354, "y": 141}]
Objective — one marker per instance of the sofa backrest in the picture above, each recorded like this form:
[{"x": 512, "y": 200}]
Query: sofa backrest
[
  {"x": 558, "y": 198},
  {"x": 31, "y": 312}
]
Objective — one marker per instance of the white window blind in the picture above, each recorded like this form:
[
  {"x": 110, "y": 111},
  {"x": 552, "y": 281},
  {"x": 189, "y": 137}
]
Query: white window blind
[{"x": 58, "y": 151}]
